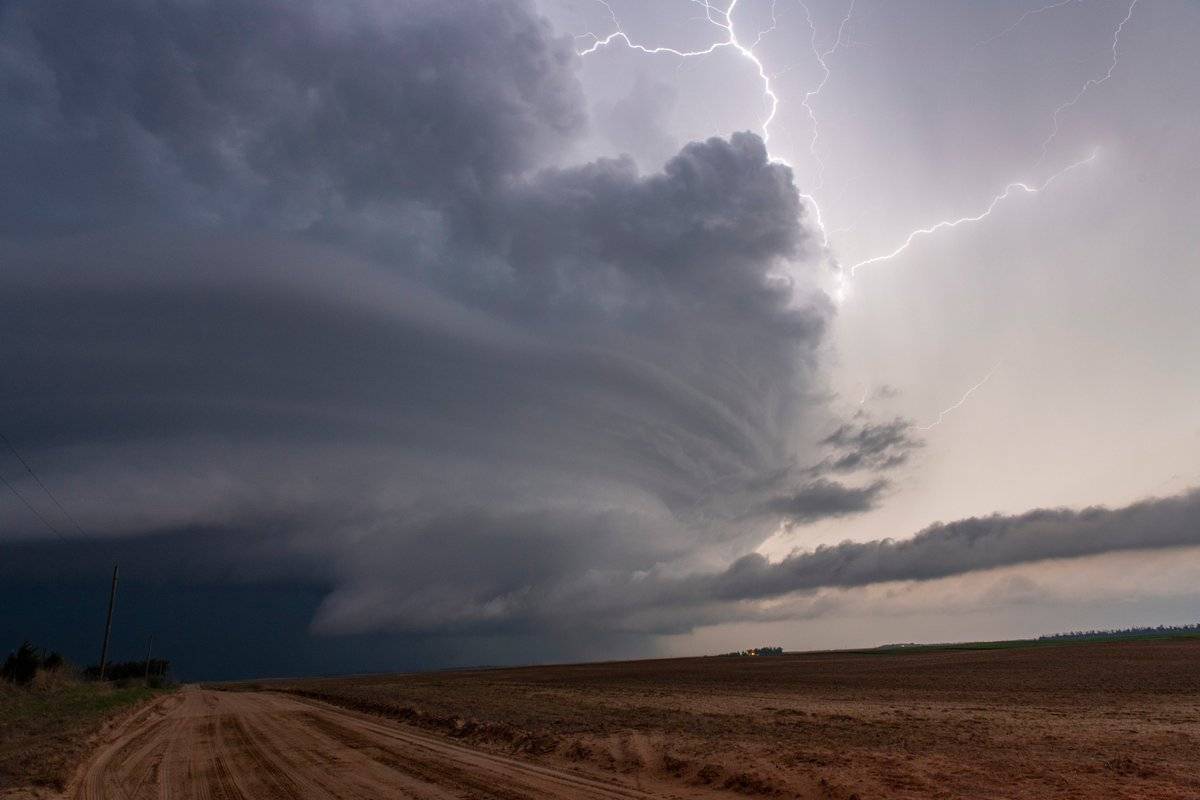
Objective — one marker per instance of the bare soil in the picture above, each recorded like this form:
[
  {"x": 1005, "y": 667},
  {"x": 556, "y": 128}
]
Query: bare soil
[
  {"x": 264, "y": 746},
  {"x": 1112, "y": 720}
]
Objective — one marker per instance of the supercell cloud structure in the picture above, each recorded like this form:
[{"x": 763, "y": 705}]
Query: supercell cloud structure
[
  {"x": 309, "y": 282},
  {"x": 303, "y": 268}
]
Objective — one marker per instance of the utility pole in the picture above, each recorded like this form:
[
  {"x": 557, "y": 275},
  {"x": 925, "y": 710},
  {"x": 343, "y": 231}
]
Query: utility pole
[
  {"x": 112, "y": 599},
  {"x": 149, "y": 647}
]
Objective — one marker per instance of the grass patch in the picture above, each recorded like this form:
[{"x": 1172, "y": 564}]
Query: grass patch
[{"x": 44, "y": 730}]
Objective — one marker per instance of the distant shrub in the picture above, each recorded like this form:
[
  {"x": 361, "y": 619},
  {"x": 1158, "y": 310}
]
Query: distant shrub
[
  {"x": 24, "y": 664},
  {"x": 757, "y": 651},
  {"x": 130, "y": 671},
  {"x": 1124, "y": 633}
]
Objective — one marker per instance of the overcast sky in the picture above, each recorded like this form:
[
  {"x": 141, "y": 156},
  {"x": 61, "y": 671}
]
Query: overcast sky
[{"x": 373, "y": 335}]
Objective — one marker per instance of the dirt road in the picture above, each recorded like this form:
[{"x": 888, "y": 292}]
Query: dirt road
[{"x": 227, "y": 745}]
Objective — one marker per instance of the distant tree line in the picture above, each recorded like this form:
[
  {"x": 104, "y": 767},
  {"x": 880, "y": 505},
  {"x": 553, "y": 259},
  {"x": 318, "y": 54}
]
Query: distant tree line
[
  {"x": 1124, "y": 633},
  {"x": 131, "y": 670},
  {"x": 24, "y": 663},
  {"x": 757, "y": 651}
]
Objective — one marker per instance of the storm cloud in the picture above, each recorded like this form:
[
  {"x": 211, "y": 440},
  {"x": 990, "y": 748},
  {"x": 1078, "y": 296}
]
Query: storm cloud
[
  {"x": 307, "y": 283},
  {"x": 968, "y": 545},
  {"x": 271, "y": 114},
  {"x": 825, "y": 498},
  {"x": 659, "y": 602},
  {"x": 308, "y": 271}
]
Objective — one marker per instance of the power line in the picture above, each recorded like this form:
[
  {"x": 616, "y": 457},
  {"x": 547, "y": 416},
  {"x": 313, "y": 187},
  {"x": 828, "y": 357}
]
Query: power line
[
  {"x": 83, "y": 534},
  {"x": 36, "y": 513},
  {"x": 8, "y": 443},
  {"x": 112, "y": 596}
]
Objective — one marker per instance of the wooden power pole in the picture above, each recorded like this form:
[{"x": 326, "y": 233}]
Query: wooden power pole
[
  {"x": 149, "y": 647},
  {"x": 112, "y": 599}
]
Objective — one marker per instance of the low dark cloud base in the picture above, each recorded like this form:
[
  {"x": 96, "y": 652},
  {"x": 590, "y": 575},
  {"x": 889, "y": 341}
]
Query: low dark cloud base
[{"x": 659, "y": 602}]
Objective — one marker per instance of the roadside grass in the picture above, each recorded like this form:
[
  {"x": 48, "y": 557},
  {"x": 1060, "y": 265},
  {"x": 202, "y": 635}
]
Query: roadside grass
[{"x": 44, "y": 730}]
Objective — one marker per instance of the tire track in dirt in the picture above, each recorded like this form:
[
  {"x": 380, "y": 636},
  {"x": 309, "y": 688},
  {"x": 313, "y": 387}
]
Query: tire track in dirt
[
  {"x": 261, "y": 746},
  {"x": 405, "y": 764}
]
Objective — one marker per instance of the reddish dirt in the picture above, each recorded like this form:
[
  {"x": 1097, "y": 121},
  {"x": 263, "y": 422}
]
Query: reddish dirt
[
  {"x": 238, "y": 746},
  {"x": 1078, "y": 721}
]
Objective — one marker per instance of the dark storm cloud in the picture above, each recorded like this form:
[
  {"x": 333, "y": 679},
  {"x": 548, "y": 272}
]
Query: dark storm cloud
[
  {"x": 287, "y": 114},
  {"x": 967, "y": 545},
  {"x": 822, "y": 498},
  {"x": 301, "y": 271},
  {"x": 443, "y": 457},
  {"x": 866, "y": 445},
  {"x": 658, "y": 602}
]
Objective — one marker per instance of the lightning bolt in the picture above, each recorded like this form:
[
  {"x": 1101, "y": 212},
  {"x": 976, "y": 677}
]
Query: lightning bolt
[
  {"x": 960, "y": 402},
  {"x": 806, "y": 103},
  {"x": 1031, "y": 13},
  {"x": 722, "y": 19},
  {"x": 774, "y": 24},
  {"x": 1089, "y": 83},
  {"x": 719, "y": 18},
  {"x": 1009, "y": 190}
]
